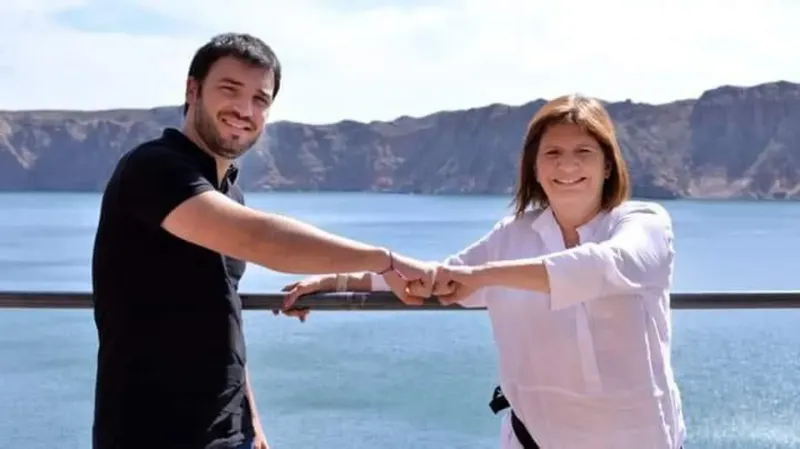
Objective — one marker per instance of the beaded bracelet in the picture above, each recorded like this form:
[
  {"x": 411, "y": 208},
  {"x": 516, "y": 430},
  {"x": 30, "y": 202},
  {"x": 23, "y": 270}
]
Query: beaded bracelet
[{"x": 341, "y": 282}]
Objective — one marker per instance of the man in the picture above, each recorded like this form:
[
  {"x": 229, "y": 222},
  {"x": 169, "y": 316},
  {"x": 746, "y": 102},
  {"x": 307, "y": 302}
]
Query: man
[{"x": 171, "y": 246}]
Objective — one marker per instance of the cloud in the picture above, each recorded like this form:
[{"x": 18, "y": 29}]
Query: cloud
[
  {"x": 377, "y": 60},
  {"x": 108, "y": 17}
]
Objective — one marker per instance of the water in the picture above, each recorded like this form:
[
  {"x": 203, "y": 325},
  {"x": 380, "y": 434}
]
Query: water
[{"x": 359, "y": 380}]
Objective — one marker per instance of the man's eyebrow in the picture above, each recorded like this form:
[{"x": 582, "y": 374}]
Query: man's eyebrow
[
  {"x": 264, "y": 93},
  {"x": 231, "y": 81}
]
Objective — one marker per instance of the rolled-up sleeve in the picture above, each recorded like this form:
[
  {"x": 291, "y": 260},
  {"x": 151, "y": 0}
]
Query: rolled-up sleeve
[
  {"x": 479, "y": 252},
  {"x": 637, "y": 257}
]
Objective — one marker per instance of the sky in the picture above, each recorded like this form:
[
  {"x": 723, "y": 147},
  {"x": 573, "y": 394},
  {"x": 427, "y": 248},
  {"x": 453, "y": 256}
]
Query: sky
[{"x": 380, "y": 59}]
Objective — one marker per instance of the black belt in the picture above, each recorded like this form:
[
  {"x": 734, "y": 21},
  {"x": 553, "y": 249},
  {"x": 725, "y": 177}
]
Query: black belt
[{"x": 498, "y": 403}]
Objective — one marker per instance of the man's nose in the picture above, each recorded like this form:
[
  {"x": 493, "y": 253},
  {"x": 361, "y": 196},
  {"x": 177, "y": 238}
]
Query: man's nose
[{"x": 243, "y": 108}]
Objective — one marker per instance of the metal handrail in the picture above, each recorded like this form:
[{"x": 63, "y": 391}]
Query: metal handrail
[{"x": 385, "y": 301}]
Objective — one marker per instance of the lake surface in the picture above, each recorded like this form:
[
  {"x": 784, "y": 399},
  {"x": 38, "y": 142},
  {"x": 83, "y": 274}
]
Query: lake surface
[{"x": 361, "y": 380}]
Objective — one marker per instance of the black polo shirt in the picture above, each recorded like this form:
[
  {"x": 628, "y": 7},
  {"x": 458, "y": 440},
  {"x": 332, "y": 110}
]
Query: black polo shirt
[{"x": 171, "y": 358}]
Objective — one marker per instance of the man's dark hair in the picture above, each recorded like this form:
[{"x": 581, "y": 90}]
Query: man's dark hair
[{"x": 244, "y": 47}]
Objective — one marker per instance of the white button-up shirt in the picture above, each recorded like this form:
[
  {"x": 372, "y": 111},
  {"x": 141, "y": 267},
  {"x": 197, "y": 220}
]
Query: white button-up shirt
[{"x": 587, "y": 366}]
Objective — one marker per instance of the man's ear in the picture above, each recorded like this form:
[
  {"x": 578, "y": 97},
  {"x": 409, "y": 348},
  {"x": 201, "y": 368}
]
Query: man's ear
[{"x": 192, "y": 89}]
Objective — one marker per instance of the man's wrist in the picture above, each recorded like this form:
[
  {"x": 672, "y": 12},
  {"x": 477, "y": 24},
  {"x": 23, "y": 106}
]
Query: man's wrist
[{"x": 380, "y": 260}]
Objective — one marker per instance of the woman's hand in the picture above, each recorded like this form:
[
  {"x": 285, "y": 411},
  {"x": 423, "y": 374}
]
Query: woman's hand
[
  {"x": 460, "y": 280},
  {"x": 311, "y": 284},
  {"x": 452, "y": 283}
]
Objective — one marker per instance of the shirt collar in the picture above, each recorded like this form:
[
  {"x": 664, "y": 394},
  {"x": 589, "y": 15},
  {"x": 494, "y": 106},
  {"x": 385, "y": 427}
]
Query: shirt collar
[
  {"x": 546, "y": 225},
  {"x": 207, "y": 163}
]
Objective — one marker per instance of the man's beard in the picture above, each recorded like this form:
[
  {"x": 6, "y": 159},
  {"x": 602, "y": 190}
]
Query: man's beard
[{"x": 208, "y": 132}]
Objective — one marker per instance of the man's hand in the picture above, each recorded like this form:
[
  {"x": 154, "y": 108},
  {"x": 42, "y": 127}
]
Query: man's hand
[
  {"x": 406, "y": 271},
  {"x": 260, "y": 440}
]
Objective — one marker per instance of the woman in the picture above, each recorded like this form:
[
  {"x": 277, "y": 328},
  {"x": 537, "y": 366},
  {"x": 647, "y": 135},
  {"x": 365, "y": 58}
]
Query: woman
[{"x": 577, "y": 286}]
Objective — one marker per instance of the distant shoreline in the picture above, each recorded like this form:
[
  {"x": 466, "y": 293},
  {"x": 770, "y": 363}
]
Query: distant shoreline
[{"x": 441, "y": 195}]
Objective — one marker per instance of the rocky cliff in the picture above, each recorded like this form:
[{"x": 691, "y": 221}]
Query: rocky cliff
[{"x": 732, "y": 142}]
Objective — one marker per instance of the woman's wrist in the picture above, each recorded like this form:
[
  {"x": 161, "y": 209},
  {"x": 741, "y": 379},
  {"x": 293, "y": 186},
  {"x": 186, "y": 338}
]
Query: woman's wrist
[
  {"x": 327, "y": 282},
  {"x": 484, "y": 273},
  {"x": 341, "y": 281}
]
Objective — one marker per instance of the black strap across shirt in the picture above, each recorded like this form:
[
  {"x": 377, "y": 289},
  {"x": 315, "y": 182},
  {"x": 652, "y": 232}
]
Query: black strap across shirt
[{"x": 171, "y": 357}]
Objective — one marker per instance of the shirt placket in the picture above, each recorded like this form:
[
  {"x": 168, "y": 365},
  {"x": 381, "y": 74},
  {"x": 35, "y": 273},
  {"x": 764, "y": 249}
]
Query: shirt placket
[
  {"x": 583, "y": 331},
  {"x": 588, "y": 356}
]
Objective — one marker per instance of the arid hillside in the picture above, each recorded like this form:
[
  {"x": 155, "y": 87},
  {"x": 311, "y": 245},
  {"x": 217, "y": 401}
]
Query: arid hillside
[{"x": 731, "y": 142}]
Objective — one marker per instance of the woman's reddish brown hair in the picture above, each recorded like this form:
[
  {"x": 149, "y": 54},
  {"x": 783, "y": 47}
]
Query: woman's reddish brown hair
[{"x": 592, "y": 117}]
